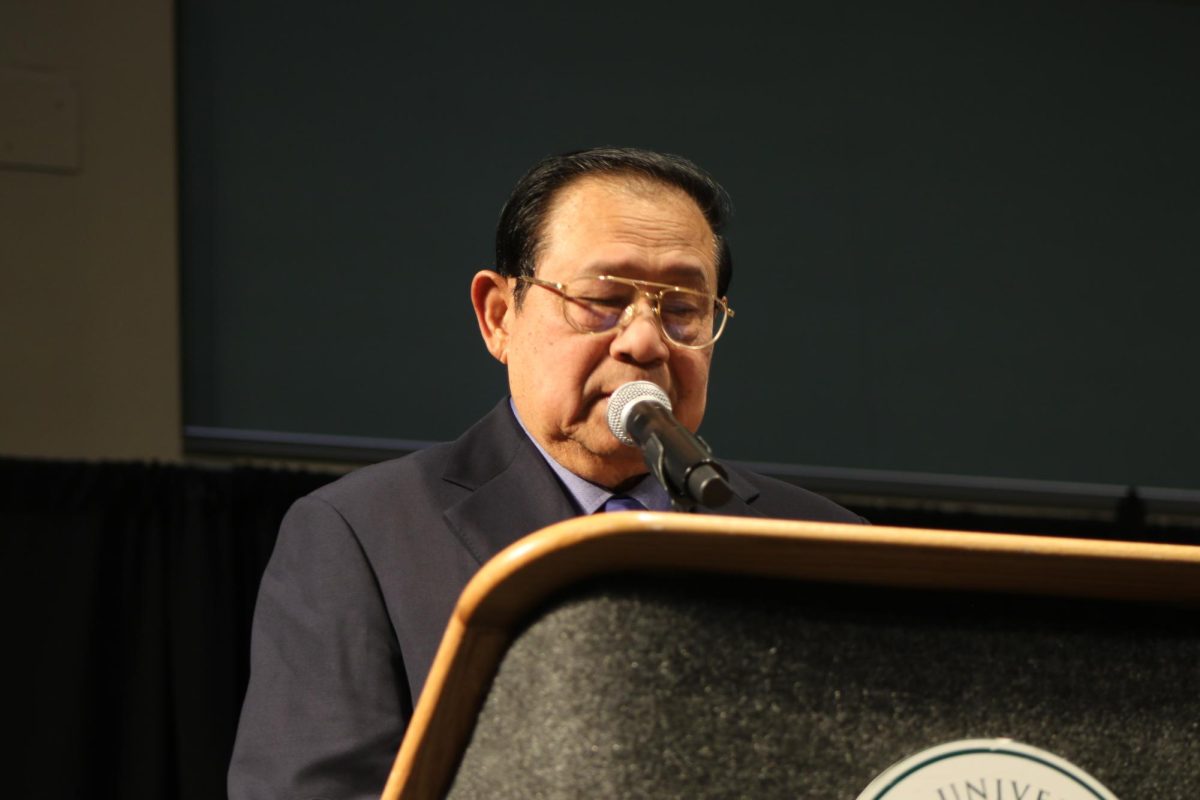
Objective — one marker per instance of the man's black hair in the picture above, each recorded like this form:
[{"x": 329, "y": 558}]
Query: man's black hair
[{"x": 519, "y": 234}]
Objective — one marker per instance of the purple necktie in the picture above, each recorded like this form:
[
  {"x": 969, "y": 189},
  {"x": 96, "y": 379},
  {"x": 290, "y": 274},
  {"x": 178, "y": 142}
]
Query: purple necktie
[{"x": 622, "y": 502}]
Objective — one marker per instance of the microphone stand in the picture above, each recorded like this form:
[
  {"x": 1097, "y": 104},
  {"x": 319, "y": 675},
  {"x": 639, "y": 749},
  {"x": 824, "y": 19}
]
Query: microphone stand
[{"x": 705, "y": 484}]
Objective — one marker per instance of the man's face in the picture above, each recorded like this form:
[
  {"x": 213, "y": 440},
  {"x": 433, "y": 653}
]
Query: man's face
[{"x": 560, "y": 378}]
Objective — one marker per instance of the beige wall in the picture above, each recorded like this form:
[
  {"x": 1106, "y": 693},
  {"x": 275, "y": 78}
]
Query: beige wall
[{"x": 89, "y": 320}]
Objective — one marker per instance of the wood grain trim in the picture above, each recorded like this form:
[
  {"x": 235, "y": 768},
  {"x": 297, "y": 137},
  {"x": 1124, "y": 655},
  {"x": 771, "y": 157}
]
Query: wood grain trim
[{"x": 524, "y": 575}]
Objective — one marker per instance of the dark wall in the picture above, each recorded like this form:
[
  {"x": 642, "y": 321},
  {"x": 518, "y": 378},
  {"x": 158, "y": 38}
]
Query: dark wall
[{"x": 965, "y": 239}]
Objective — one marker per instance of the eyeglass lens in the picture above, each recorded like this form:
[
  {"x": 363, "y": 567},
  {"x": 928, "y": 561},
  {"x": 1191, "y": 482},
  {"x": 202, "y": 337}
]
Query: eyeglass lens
[{"x": 595, "y": 306}]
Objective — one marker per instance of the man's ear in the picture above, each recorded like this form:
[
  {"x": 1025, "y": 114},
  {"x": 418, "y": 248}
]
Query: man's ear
[{"x": 491, "y": 295}]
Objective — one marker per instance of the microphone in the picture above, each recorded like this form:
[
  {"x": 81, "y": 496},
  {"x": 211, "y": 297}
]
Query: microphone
[{"x": 639, "y": 415}]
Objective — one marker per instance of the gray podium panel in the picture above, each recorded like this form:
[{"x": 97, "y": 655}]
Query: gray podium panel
[{"x": 716, "y": 686}]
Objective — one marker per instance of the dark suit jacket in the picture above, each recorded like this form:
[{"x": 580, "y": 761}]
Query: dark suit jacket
[{"x": 361, "y": 584}]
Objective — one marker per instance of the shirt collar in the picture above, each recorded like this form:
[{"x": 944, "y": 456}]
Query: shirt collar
[{"x": 590, "y": 497}]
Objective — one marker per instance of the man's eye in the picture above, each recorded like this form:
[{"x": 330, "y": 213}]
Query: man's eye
[
  {"x": 684, "y": 306},
  {"x": 605, "y": 301}
]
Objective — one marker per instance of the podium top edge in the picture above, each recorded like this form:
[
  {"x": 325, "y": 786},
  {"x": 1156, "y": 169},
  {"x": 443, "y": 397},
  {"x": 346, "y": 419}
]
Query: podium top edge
[{"x": 585, "y": 547}]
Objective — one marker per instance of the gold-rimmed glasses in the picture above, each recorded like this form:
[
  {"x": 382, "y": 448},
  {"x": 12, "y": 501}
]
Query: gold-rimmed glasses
[{"x": 597, "y": 304}]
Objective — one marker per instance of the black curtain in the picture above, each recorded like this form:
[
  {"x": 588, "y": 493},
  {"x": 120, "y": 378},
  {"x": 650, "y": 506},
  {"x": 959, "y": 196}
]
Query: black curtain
[
  {"x": 1127, "y": 520},
  {"x": 129, "y": 590}
]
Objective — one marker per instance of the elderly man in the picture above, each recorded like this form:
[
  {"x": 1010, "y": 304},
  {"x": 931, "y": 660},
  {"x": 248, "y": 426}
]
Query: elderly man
[{"x": 610, "y": 267}]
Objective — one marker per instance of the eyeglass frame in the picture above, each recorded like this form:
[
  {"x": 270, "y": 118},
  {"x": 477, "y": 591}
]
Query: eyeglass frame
[{"x": 655, "y": 299}]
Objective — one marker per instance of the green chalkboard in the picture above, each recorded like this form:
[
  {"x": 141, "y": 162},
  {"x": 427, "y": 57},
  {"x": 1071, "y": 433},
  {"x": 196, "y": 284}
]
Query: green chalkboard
[{"x": 967, "y": 235}]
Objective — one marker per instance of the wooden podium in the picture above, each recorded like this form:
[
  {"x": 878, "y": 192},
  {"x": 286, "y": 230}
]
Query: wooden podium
[{"x": 655, "y": 655}]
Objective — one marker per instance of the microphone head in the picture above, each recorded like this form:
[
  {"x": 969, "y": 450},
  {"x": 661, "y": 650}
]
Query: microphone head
[{"x": 622, "y": 401}]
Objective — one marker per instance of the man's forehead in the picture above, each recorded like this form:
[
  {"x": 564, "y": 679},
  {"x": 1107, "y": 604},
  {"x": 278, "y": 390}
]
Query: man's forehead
[{"x": 600, "y": 210}]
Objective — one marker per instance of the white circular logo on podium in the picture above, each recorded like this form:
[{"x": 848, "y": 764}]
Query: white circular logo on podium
[{"x": 985, "y": 769}]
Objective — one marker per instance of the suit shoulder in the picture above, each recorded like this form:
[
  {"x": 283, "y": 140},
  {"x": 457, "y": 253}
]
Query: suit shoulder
[
  {"x": 384, "y": 481},
  {"x": 783, "y": 500}
]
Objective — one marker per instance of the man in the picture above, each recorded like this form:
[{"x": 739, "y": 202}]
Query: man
[{"x": 610, "y": 267}]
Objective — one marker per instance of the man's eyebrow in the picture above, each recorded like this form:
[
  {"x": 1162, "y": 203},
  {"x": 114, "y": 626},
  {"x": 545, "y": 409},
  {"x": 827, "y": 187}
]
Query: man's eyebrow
[{"x": 689, "y": 275}]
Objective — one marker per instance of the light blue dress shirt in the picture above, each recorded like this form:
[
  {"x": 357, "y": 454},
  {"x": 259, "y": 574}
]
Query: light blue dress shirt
[{"x": 589, "y": 497}]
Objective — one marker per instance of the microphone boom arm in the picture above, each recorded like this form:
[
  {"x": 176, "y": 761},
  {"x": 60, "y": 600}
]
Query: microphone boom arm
[{"x": 681, "y": 461}]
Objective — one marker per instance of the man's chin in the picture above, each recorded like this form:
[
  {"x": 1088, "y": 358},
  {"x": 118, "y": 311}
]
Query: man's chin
[
  {"x": 617, "y": 453},
  {"x": 609, "y": 459}
]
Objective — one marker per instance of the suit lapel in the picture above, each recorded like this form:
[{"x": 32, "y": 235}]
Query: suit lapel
[{"x": 513, "y": 490}]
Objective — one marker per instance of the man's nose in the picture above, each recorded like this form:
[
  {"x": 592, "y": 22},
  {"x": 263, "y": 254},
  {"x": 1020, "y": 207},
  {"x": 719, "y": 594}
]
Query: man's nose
[{"x": 640, "y": 339}]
